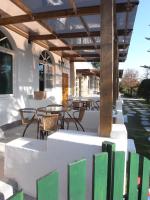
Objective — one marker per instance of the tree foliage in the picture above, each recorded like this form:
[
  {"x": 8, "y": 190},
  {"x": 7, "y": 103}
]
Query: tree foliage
[
  {"x": 147, "y": 71},
  {"x": 144, "y": 89},
  {"x": 129, "y": 82}
]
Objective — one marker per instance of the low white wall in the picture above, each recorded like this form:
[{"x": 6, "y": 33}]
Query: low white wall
[
  {"x": 26, "y": 160},
  {"x": 89, "y": 122},
  {"x": 119, "y": 114},
  {"x": 91, "y": 118}
]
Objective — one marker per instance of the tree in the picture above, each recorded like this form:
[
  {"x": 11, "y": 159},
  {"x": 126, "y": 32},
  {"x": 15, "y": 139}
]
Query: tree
[
  {"x": 144, "y": 90},
  {"x": 129, "y": 82},
  {"x": 147, "y": 71}
]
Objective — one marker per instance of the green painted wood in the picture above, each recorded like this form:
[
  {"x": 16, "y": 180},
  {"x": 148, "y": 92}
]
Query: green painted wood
[
  {"x": 77, "y": 180},
  {"x": 110, "y": 148},
  {"x": 18, "y": 196},
  {"x": 145, "y": 175},
  {"x": 133, "y": 170},
  {"x": 119, "y": 162},
  {"x": 48, "y": 187},
  {"x": 100, "y": 176}
]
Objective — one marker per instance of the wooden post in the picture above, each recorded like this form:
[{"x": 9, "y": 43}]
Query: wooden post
[
  {"x": 107, "y": 46},
  {"x": 117, "y": 82},
  {"x": 115, "y": 73},
  {"x": 72, "y": 79}
]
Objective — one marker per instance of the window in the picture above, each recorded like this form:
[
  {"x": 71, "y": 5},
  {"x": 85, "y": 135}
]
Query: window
[
  {"x": 4, "y": 42},
  {"x": 45, "y": 71},
  {"x": 6, "y": 66}
]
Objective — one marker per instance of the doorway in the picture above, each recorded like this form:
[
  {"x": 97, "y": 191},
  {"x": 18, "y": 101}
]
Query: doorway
[{"x": 64, "y": 88}]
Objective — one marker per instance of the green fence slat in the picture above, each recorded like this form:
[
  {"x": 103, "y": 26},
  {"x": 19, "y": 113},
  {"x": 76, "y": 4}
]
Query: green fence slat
[
  {"x": 133, "y": 170},
  {"x": 77, "y": 180},
  {"x": 48, "y": 187},
  {"x": 118, "y": 182},
  {"x": 109, "y": 147},
  {"x": 100, "y": 176},
  {"x": 18, "y": 196},
  {"x": 145, "y": 174}
]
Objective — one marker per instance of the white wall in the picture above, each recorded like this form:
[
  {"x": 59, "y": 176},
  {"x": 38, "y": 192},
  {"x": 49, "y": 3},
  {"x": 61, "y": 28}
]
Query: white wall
[
  {"x": 25, "y": 77},
  {"x": 26, "y": 160}
]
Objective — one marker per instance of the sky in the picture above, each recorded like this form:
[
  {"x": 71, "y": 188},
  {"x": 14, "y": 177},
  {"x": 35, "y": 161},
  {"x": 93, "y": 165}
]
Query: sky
[{"x": 137, "y": 54}]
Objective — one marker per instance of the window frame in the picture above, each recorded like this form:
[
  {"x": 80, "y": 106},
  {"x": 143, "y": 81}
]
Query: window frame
[
  {"x": 45, "y": 70},
  {"x": 10, "y": 52}
]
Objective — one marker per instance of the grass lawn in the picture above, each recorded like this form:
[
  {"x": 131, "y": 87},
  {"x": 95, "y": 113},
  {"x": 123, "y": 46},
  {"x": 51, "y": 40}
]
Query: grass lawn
[{"x": 138, "y": 112}]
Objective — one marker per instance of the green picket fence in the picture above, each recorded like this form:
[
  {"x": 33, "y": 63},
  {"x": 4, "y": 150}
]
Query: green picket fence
[{"x": 108, "y": 178}]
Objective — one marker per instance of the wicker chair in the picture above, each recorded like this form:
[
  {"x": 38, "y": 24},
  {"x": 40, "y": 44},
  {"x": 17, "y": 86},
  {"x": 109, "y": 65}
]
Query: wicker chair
[
  {"x": 76, "y": 118},
  {"x": 48, "y": 124},
  {"x": 27, "y": 117}
]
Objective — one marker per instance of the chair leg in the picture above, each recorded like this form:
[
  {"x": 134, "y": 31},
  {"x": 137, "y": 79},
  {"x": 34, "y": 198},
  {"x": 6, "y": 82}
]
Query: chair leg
[
  {"x": 80, "y": 125},
  {"x": 25, "y": 130},
  {"x": 38, "y": 130},
  {"x": 76, "y": 125},
  {"x": 42, "y": 134},
  {"x": 67, "y": 125}
]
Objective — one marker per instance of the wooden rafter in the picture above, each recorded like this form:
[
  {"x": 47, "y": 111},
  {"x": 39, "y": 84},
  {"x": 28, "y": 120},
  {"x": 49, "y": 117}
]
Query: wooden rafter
[
  {"x": 89, "y": 60},
  {"x": 120, "y": 32},
  {"x": 120, "y": 7},
  {"x": 83, "y": 47},
  {"x": 22, "y": 6},
  {"x": 87, "y": 55},
  {"x": 74, "y": 7}
]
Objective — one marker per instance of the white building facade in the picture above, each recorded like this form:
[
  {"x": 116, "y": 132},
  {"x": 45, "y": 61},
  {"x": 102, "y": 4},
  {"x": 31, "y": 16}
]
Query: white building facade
[{"x": 22, "y": 65}]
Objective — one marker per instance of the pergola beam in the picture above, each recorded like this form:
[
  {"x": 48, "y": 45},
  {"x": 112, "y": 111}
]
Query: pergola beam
[
  {"x": 86, "y": 55},
  {"x": 120, "y": 32},
  {"x": 89, "y": 60},
  {"x": 83, "y": 47},
  {"x": 120, "y": 7}
]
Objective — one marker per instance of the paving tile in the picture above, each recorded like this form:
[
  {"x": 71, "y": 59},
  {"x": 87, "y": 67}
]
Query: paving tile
[
  {"x": 147, "y": 129},
  {"x": 132, "y": 112},
  {"x": 145, "y": 123},
  {"x": 144, "y": 119},
  {"x": 130, "y": 115}
]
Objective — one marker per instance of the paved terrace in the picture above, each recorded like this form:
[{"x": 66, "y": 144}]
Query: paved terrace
[{"x": 137, "y": 121}]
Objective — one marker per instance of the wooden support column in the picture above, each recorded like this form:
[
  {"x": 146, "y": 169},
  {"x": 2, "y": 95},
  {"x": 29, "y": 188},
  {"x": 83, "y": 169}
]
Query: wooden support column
[
  {"x": 115, "y": 67},
  {"x": 115, "y": 73},
  {"x": 117, "y": 94},
  {"x": 72, "y": 79},
  {"x": 106, "y": 80}
]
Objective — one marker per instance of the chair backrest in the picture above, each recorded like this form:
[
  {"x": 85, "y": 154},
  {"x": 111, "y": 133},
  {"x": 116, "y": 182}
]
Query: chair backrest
[
  {"x": 76, "y": 104},
  {"x": 54, "y": 104},
  {"x": 27, "y": 114},
  {"x": 41, "y": 111},
  {"x": 50, "y": 122}
]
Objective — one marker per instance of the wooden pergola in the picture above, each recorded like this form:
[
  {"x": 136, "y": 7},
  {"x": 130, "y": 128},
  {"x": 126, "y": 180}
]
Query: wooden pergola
[{"x": 80, "y": 30}]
